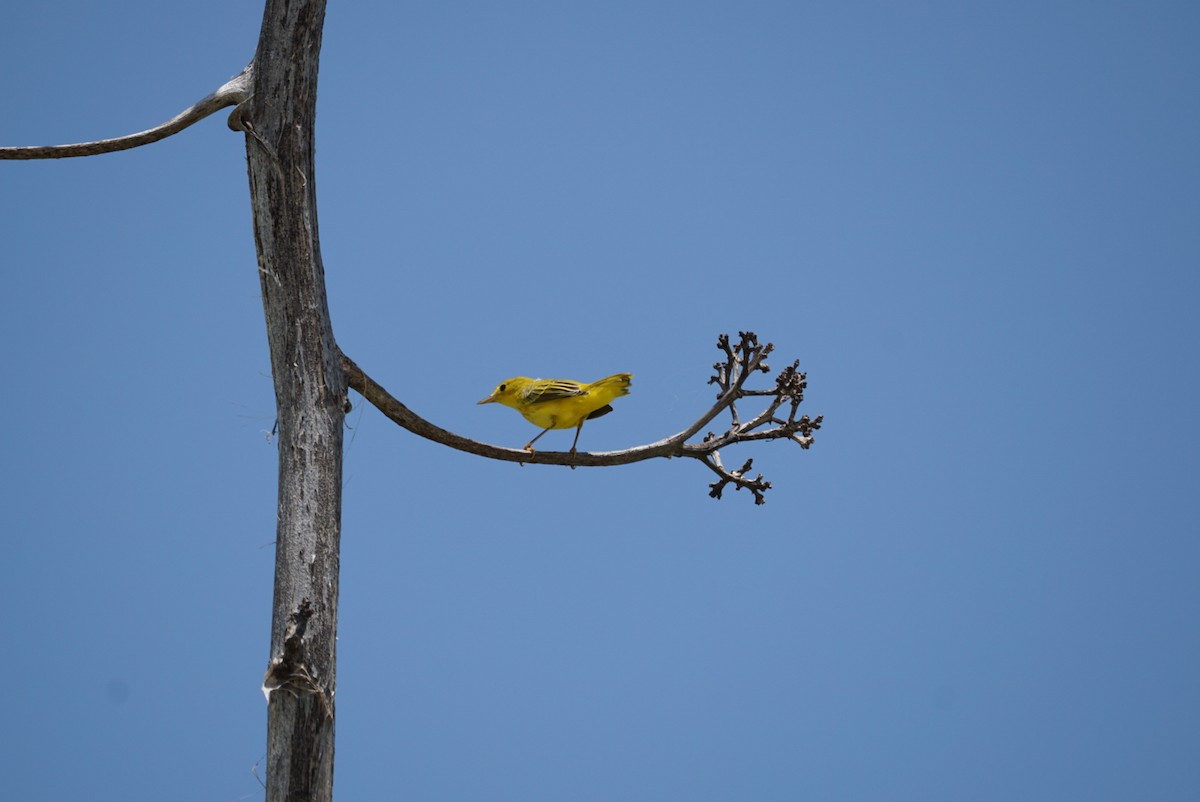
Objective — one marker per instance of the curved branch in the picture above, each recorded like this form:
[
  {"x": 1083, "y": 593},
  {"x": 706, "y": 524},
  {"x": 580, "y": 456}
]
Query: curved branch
[
  {"x": 386, "y": 403},
  {"x": 231, "y": 94},
  {"x": 731, "y": 375}
]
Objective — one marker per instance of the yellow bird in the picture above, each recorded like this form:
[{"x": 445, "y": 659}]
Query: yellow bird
[{"x": 559, "y": 403}]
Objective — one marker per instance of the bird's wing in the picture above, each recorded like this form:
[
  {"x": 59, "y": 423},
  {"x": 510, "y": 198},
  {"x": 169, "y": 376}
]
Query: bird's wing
[{"x": 553, "y": 390}]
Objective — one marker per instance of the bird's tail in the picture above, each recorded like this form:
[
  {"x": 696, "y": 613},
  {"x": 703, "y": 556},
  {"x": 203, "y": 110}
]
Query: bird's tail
[{"x": 612, "y": 386}]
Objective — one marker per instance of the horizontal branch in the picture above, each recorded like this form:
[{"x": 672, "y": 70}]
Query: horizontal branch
[
  {"x": 231, "y": 94},
  {"x": 741, "y": 361}
]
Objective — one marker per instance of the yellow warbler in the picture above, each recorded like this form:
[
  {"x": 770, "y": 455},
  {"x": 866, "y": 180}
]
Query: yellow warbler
[{"x": 559, "y": 403}]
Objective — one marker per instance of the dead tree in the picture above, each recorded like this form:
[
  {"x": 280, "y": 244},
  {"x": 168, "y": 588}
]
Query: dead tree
[{"x": 274, "y": 100}]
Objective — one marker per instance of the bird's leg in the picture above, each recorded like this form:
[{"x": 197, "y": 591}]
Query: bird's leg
[
  {"x": 575, "y": 442},
  {"x": 529, "y": 445}
]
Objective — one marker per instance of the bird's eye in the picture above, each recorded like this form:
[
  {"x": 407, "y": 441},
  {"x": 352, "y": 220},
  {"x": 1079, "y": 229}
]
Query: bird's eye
[{"x": 501, "y": 388}]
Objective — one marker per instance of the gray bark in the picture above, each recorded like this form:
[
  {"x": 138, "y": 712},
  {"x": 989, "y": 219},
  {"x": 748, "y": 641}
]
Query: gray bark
[{"x": 310, "y": 392}]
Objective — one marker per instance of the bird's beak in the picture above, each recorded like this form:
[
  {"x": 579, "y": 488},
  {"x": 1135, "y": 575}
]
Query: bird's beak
[{"x": 490, "y": 399}]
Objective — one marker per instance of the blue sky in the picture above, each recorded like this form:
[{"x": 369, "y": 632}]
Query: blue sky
[{"x": 973, "y": 223}]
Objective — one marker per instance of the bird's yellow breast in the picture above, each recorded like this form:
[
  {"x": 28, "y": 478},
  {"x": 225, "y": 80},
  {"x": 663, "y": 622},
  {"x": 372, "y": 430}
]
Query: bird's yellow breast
[{"x": 561, "y": 414}]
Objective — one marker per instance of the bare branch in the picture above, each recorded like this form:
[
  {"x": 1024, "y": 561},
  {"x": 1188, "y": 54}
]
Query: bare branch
[
  {"x": 741, "y": 361},
  {"x": 231, "y": 94},
  {"x": 757, "y": 485}
]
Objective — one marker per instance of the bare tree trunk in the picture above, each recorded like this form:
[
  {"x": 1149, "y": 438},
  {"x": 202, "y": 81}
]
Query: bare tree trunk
[{"x": 310, "y": 392}]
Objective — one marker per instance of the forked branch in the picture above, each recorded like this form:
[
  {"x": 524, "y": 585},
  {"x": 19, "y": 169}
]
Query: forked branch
[
  {"x": 741, "y": 361},
  {"x": 231, "y": 94}
]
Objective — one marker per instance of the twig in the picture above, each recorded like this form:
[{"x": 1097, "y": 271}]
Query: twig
[{"x": 757, "y": 485}]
